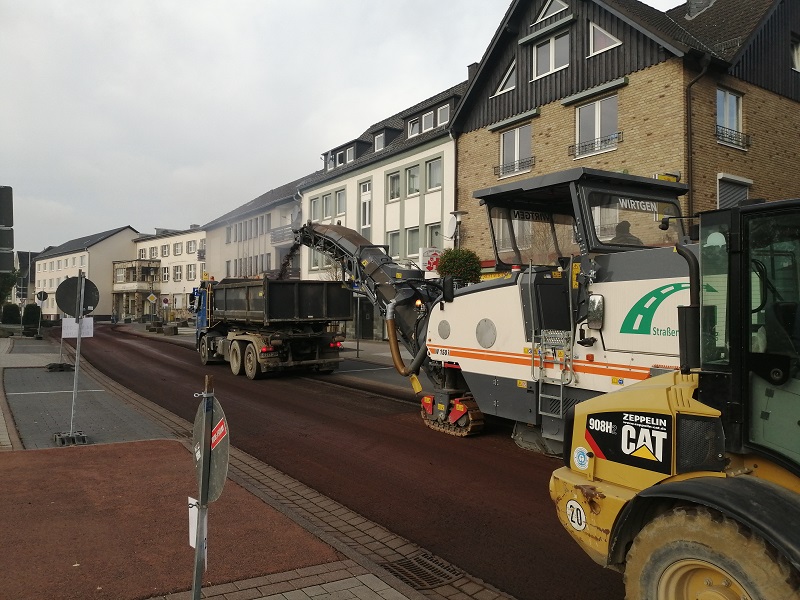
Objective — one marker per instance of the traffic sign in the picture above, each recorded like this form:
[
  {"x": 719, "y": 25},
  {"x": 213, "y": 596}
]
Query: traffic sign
[
  {"x": 41, "y": 296},
  {"x": 218, "y": 445},
  {"x": 152, "y": 298},
  {"x": 67, "y": 296}
]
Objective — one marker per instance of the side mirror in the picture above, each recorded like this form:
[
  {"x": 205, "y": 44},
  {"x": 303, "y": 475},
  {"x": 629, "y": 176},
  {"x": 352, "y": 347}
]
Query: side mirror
[
  {"x": 595, "y": 312},
  {"x": 447, "y": 289}
]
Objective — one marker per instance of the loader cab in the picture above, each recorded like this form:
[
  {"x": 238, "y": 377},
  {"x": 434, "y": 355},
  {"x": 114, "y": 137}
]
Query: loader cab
[{"x": 750, "y": 327}]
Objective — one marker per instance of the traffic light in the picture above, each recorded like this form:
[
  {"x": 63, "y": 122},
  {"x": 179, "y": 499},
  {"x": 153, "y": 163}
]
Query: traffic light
[{"x": 6, "y": 231}]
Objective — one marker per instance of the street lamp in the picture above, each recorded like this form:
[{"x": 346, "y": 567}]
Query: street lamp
[{"x": 457, "y": 235}]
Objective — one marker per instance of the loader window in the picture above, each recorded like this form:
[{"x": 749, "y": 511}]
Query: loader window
[
  {"x": 524, "y": 237},
  {"x": 714, "y": 343},
  {"x": 632, "y": 220},
  {"x": 773, "y": 245}
]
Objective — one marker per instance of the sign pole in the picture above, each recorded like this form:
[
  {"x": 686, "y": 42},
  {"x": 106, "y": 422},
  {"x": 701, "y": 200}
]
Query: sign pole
[
  {"x": 78, "y": 319},
  {"x": 202, "y": 508}
]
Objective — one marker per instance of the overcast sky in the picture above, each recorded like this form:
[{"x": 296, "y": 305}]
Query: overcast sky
[{"x": 165, "y": 113}]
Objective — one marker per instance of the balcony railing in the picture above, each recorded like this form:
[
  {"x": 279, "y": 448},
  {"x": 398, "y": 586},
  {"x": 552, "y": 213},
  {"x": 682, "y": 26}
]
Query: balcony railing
[
  {"x": 733, "y": 137},
  {"x": 597, "y": 145},
  {"x": 514, "y": 167},
  {"x": 281, "y": 235}
]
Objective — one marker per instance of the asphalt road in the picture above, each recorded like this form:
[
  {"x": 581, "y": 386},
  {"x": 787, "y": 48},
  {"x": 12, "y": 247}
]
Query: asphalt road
[{"x": 481, "y": 503}]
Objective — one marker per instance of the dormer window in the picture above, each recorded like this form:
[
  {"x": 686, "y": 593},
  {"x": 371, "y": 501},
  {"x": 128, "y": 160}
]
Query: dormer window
[
  {"x": 331, "y": 163},
  {"x": 340, "y": 158},
  {"x": 380, "y": 140},
  {"x": 443, "y": 114},
  {"x": 509, "y": 81},
  {"x": 413, "y": 127},
  {"x": 427, "y": 121},
  {"x": 796, "y": 54},
  {"x": 600, "y": 40},
  {"x": 351, "y": 154},
  {"x": 551, "y": 55},
  {"x": 551, "y": 8}
]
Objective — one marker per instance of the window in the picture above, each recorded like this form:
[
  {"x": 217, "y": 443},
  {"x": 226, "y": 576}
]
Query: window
[
  {"x": 58, "y": 265},
  {"x": 393, "y": 241},
  {"x": 52, "y": 265},
  {"x": 413, "y": 127},
  {"x": 119, "y": 275},
  {"x": 551, "y": 55},
  {"x": 341, "y": 202},
  {"x": 597, "y": 127},
  {"x": 267, "y": 261},
  {"x": 228, "y": 236},
  {"x": 412, "y": 241},
  {"x": 202, "y": 245},
  {"x": 443, "y": 114},
  {"x": 552, "y": 8},
  {"x": 191, "y": 272},
  {"x": 340, "y": 158},
  {"x": 228, "y": 268},
  {"x": 380, "y": 139},
  {"x": 796, "y": 54},
  {"x": 365, "y": 191},
  {"x": 73, "y": 261},
  {"x": 177, "y": 248},
  {"x": 427, "y": 121},
  {"x": 600, "y": 40},
  {"x": 153, "y": 252},
  {"x": 433, "y": 172},
  {"x": 142, "y": 253},
  {"x": 351, "y": 154},
  {"x": 433, "y": 235},
  {"x": 509, "y": 81},
  {"x": 515, "y": 151},
  {"x": 394, "y": 186},
  {"x": 331, "y": 161},
  {"x": 729, "y": 119},
  {"x": 191, "y": 246},
  {"x": 83, "y": 260},
  {"x": 177, "y": 272},
  {"x": 326, "y": 206},
  {"x": 315, "y": 209},
  {"x": 165, "y": 250},
  {"x": 164, "y": 273},
  {"x": 412, "y": 180}
]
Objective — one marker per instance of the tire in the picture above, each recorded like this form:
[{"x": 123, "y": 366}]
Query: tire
[
  {"x": 204, "y": 359},
  {"x": 696, "y": 553},
  {"x": 251, "y": 367},
  {"x": 236, "y": 358}
]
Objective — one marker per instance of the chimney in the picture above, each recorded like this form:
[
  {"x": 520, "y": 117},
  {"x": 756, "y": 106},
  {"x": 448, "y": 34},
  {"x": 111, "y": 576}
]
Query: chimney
[
  {"x": 695, "y": 7},
  {"x": 471, "y": 71}
]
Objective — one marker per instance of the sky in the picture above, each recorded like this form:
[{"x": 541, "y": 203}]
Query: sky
[{"x": 168, "y": 113}]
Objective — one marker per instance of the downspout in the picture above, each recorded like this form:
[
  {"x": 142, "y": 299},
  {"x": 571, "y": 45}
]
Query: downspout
[{"x": 705, "y": 62}]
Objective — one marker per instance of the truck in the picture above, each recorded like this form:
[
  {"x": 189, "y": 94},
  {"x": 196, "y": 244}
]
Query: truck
[
  {"x": 262, "y": 326},
  {"x": 689, "y": 482},
  {"x": 524, "y": 345}
]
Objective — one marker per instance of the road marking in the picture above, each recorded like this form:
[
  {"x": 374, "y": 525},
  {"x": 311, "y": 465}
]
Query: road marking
[
  {"x": 54, "y": 392},
  {"x": 364, "y": 370}
]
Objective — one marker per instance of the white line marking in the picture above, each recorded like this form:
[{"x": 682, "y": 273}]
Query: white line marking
[{"x": 54, "y": 392}]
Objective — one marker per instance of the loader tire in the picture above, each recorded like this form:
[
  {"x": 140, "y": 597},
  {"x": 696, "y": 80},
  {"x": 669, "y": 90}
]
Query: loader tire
[
  {"x": 236, "y": 358},
  {"x": 251, "y": 367},
  {"x": 694, "y": 553}
]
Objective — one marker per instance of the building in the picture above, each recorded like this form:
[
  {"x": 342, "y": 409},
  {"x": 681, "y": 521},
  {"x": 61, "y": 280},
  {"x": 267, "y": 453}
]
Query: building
[
  {"x": 253, "y": 239},
  {"x": 395, "y": 184},
  {"x": 708, "y": 91},
  {"x": 159, "y": 282},
  {"x": 24, "y": 292},
  {"x": 93, "y": 255}
]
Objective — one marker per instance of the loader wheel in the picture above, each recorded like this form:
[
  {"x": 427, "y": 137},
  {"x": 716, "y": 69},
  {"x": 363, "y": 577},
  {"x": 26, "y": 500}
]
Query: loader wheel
[
  {"x": 236, "y": 358},
  {"x": 693, "y": 553},
  {"x": 251, "y": 367}
]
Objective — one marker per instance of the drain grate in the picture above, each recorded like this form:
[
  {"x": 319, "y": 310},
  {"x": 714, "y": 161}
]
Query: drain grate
[{"x": 423, "y": 571}]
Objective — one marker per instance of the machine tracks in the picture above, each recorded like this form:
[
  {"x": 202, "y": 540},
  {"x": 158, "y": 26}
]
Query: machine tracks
[{"x": 470, "y": 423}]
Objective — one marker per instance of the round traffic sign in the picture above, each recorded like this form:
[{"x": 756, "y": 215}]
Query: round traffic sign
[
  {"x": 41, "y": 296},
  {"x": 218, "y": 446},
  {"x": 68, "y": 296}
]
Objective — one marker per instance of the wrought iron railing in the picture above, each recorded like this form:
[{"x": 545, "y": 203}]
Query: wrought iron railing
[
  {"x": 597, "y": 145},
  {"x": 514, "y": 167},
  {"x": 733, "y": 137}
]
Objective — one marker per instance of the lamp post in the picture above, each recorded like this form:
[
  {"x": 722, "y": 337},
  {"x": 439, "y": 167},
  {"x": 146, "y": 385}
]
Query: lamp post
[{"x": 458, "y": 214}]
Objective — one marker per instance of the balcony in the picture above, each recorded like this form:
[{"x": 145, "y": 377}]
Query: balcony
[
  {"x": 514, "y": 167},
  {"x": 600, "y": 144},
  {"x": 733, "y": 137},
  {"x": 138, "y": 276},
  {"x": 282, "y": 236}
]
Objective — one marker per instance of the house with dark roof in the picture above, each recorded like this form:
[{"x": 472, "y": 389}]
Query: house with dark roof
[
  {"x": 254, "y": 238},
  {"x": 708, "y": 91},
  {"x": 93, "y": 255}
]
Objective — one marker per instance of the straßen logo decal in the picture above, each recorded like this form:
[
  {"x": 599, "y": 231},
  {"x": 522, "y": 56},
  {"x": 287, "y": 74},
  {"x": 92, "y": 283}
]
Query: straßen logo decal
[{"x": 639, "y": 319}]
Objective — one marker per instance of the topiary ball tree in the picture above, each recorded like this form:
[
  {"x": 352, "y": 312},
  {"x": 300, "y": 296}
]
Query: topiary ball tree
[
  {"x": 460, "y": 264},
  {"x": 10, "y": 314}
]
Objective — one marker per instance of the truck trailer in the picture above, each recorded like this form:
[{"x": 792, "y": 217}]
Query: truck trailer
[{"x": 262, "y": 326}]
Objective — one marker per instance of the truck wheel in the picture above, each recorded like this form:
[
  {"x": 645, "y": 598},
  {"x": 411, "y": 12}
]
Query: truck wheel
[
  {"x": 236, "y": 358},
  {"x": 696, "y": 553},
  {"x": 251, "y": 367},
  {"x": 204, "y": 359}
]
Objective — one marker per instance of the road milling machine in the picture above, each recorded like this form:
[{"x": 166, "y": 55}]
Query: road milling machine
[
  {"x": 689, "y": 482},
  {"x": 528, "y": 345}
]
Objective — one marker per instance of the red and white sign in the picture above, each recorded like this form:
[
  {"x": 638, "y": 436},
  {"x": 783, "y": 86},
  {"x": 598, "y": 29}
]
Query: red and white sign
[
  {"x": 430, "y": 258},
  {"x": 218, "y": 433}
]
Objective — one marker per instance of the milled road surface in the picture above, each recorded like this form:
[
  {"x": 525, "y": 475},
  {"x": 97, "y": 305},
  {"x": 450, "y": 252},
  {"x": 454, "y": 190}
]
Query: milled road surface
[{"x": 480, "y": 503}]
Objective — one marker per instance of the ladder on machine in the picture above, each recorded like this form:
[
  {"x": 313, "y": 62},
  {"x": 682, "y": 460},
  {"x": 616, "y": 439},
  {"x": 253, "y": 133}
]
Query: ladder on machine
[{"x": 553, "y": 370}]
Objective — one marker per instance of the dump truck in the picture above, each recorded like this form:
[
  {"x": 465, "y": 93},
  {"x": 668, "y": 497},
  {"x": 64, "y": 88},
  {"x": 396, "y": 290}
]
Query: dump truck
[{"x": 264, "y": 325}]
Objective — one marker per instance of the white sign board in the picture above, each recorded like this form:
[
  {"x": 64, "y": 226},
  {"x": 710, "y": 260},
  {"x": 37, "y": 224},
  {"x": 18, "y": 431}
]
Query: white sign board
[
  {"x": 429, "y": 261},
  {"x": 69, "y": 328}
]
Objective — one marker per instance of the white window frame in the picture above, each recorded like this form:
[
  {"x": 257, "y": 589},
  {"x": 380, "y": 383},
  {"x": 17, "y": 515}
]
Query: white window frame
[
  {"x": 725, "y": 121},
  {"x": 598, "y": 128},
  {"x": 164, "y": 273},
  {"x": 365, "y": 200},
  {"x": 389, "y": 189},
  {"x": 177, "y": 248},
  {"x": 393, "y": 243},
  {"x": 520, "y": 138},
  {"x": 595, "y": 51},
  {"x": 142, "y": 253},
  {"x": 314, "y": 209},
  {"x": 428, "y": 179},
  {"x": 340, "y": 158},
  {"x": 177, "y": 272},
  {"x": 164, "y": 250},
  {"x": 443, "y": 114},
  {"x": 552, "y": 68},
  {"x": 433, "y": 235},
  {"x": 414, "y": 127},
  {"x": 504, "y": 86},
  {"x": 191, "y": 272},
  {"x": 796, "y": 54},
  {"x": 412, "y": 249},
  {"x": 119, "y": 275},
  {"x": 409, "y": 172},
  {"x": 326, "y": 206},
  {"x": 350, "y": 154},
  {"x": 191, "y": 246},
  {"x": 380, "y": 141},
  {"x": 340, "y": 202},
  {"x": 561, "y": 6},
  {"x": 427, "y": 121}
]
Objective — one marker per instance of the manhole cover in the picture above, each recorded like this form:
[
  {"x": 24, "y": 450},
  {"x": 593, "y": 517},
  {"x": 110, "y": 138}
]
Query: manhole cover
[{"x": 423, "y": 571}]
